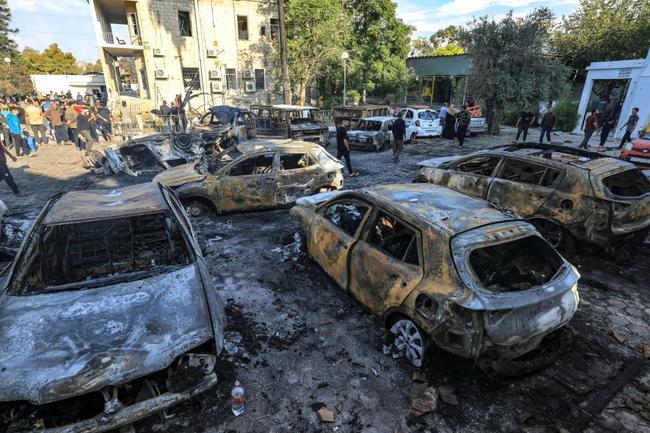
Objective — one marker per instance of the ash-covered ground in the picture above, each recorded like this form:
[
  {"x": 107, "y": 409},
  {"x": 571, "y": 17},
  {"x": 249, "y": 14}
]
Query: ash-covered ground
[{"x": 298, "y": 343}]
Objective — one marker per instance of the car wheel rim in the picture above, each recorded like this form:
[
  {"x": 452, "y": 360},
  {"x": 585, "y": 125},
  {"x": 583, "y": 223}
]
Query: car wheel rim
[
  {"x": 409, "y": 341},
  {"x": 194, "y": 211},
  {"x": 551, "y": 232}
]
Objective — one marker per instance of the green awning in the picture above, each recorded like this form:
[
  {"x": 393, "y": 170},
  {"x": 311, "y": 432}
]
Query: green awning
[{"x": 429, "y": 66}]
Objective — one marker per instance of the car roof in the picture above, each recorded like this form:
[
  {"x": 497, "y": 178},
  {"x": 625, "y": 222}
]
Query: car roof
[
  {"x": 378, "y": 118},
  {"x": 359, "y": 107},
  {"x": 93, "y": 205},
  {"x": 277, "y": 144},
  {"x": 441, "y": 207},
  {"x": 227, "y": 109}
]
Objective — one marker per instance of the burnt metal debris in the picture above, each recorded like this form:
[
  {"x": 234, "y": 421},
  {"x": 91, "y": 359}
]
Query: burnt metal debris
[{"x": 108, "y": 313}]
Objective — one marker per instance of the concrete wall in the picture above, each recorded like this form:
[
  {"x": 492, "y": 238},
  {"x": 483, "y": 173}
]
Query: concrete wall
[{"x": 62, "y": 83}]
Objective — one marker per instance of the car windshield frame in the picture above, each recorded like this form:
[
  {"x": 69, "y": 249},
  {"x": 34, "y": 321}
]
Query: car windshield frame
[{"x": 364, "y": 124}]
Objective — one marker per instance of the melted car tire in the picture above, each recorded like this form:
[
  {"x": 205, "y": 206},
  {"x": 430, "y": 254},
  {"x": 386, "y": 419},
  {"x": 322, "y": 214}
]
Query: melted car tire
[
  {"x": 556, "y": 235},
  {"x": 195, "y": 208}
]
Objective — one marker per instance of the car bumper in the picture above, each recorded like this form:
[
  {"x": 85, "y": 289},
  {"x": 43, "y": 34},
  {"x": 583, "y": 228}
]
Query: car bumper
[
  {"x": 640, "y": 159},
  {"x": 135, "y": 412},
  {"x": 429, "y": 132},
  {"x": 360, "y": 145},
  {"x": 477, "y": 129}
]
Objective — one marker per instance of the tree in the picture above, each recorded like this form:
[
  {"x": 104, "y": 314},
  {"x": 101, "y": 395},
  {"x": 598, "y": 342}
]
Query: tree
[
  {"x": 51, "y": 61},
  {"x": 603, "y": 30},
  {"x": 511, "y": 63},
  {"x": 7, "y": 44},
  {"x": 14, "y": 80},
  {"x": 92, "y": 68},
  {"x": 444, "y": 42},
  {"x": 316, "y": 30}
]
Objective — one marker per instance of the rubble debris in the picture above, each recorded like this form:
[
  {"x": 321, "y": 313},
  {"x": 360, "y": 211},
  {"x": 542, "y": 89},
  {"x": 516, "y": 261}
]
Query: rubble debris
[
  {"x": 419, "y": 377},
  {"x": 422, "y": 399},
  {"x": 447, "y": 395},
  {"x": 619, "y": 337},
  {"x": 339, "y": 408},
  {"x": 325, "y": 414},
  {"x": 646, "y": 350}
]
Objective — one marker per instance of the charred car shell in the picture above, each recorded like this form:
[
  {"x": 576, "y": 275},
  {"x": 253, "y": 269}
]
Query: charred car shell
[
  {"x": 567, "y": 193},
  {"x": 258, "y": 174},
  {"x": 296, "y": 122},
  {"x": 372, "y": 133},
  {"x": 436, "y": 264},
  {"x": 227, "y": 125},
  {"x": 109, "y": 313}
]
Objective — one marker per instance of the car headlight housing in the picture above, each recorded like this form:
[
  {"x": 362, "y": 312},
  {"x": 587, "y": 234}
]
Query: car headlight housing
[{"x": 628, "y": 146}]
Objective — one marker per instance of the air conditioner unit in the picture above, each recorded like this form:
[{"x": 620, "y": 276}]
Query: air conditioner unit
[
  {"x": 215, "y": 74},
  {"x": 212, "y": 53},
  {"x": 249, "y": 75},
  {"x": 216, "y": 87},
  {"x": 250, "y": 86},
  {"x": 161, "y": 74},
  {"x": 158, "y": 52}
]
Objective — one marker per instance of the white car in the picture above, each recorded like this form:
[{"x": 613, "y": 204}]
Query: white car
[{"x": 424, "y": 121}]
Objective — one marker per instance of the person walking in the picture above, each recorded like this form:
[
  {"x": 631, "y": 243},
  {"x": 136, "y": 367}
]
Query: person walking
[
  {"x": 548, "y": 123},
  {"x": 612, "y": 112},
  {"x": 35, "y": 121},
  {"x": 70, "y": 117},
  {"x": 443, "y": 116},
  {"x": 165, "y": 111},
  {"x": 83, "y": 130},
  {"x": 125, "y": 121},
  {"x": 462, "y": 123},
  {"x": 526, "y": 118},
  {"x": 629, "y": 126},
  {"x": 399, "y": 134},
  {"x": 55, "y": 116},
  {"x": 16, "y": 131},
  {"x": 343, "y": 146},
  {"x": 103, "y": 115},
  {"x": 591, "y": 125},
  {"x": 5, "y": 174}
]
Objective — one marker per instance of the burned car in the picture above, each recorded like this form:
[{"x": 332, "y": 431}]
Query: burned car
[
  {"x": 290, "y": 121},
  {"x": 108, "y": 315},
  {"x": 439, "y": 266},
  {"x": 372, "y": 133},
  {"x": 227, "y": 125},
  {"x": 565, "y": 192},
  {"x": 258, "y": 174}
]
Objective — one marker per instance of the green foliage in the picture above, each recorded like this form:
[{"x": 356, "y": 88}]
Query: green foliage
[
  {"x": 7, "y": 44},
  {"x": 15, "y": 80},
  {"x": 604, "y": 30},
  {"x": 444, "y": 42},
  {"x": 511, "y": 116},
  {"x": 51, "y": 61},
  {"x": 511, "y": 64},
  {"x": 567, "y": 115},
  {"x": 92, "y": 68}
]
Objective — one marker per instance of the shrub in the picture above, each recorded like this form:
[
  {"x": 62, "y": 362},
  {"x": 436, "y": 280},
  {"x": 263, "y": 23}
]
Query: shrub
[
  {"x": 567, "y": 115},
  {"x": 511, "y": 116}
]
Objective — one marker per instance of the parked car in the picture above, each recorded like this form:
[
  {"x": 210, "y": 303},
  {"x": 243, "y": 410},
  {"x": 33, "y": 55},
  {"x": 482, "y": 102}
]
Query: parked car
[
  {"x": 565, "y": 192},
  {"x": 259, "y": 174},
  {"x": 108, "y": 314},
  {"x": 638, "y": 153},
  {"x": 290, "y": 121},
  {"x": 230, "y": 125},
  {"x": 424, "y": 121},
  {"x": 371, "y": 133},
  {"x": 437, "y": 265},
  {"x": 354, "y": 113}
]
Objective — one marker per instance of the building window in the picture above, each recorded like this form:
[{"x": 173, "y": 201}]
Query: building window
[
  {"x": 184, "y": 23},
  {"x": 263, "y": 31},
  {"x": 191, "y": 78},
  {"x": 259, "y": 79},
  {"x": 231, "y": 78},
  {"x": 242, "y": 27},
  {"x": 275, "y": 28}
]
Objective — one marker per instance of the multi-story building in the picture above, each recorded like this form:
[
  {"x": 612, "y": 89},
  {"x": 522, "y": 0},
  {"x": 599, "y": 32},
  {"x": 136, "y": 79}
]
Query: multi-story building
[{"x": 225, "y": 49}]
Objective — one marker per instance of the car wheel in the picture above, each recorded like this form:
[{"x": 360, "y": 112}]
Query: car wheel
[
  {"x": 556, "y": 235},
  {"x": 410, "y": 341},
  {"x": 420, "y": 179},
  {"x": 195, "y": 208}
]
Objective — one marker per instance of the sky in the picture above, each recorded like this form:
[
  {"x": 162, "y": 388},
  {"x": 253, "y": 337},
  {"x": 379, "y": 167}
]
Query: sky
[{"x": 68, "y": 22}]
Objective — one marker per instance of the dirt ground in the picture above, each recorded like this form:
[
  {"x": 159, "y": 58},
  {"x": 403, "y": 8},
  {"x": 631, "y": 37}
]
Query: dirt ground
[{"x": 298, "y": 343}]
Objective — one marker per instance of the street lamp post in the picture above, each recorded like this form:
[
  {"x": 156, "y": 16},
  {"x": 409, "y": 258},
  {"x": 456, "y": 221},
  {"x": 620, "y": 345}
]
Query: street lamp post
[{"x": 345, "y": 56}]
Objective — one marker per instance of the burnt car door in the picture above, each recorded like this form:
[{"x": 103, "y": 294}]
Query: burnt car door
[
  {"x": 248, "y": 183},
  {"x": 297, "y": 176},
  {"x": 386, "y": 263},
  {"x": 332, "y": 233},
  {"x": 470, "y": 176},
  {"x": 523, "y": 186}
]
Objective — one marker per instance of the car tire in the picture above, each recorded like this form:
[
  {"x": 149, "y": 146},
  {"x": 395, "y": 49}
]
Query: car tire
[
  {"x": 420, "y": 179},
  {"x": 231, "y": 142},
  {"x": 409, "y": 339},
  {"x": 556, "y": 235},
  {"x": 195, "y": 208}
]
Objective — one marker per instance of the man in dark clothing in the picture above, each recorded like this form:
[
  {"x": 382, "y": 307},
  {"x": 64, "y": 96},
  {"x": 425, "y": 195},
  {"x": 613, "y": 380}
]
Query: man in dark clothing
[
  {"x": 103, "y": 116},
  {"x": 462, "y": 123},
  {"x": 165, "y": 111},
  {"x": 399, "y": 134},
  {"x": 526, "y": 118},
  {"x": 343, "y": 146},
  {"x": 83, "y": 130},
  {"x": 548, "y": 123},
  {"x": 4, "y": 170},
  {"x": 610, "y": 118},
  {"x": 629, "y": 127},
  {"x": 591, "y": 125}
]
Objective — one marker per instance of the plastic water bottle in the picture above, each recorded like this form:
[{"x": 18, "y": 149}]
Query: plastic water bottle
[{"x": 238, "y": 399}]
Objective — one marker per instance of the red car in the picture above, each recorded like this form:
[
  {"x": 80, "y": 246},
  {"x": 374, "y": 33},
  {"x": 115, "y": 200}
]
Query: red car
[{"x": 637, "y": 152}]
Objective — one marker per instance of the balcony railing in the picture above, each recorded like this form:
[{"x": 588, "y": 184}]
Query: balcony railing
[{"x": 110, "y": 38}]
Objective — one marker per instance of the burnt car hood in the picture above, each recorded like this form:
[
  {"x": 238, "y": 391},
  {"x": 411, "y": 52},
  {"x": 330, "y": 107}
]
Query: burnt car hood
[
  {"x": 180, "y": 175},
  {"x": 307, "y": 126},
  {"x": 363, "y": 134},
  {"x": 61, "y": 344}
]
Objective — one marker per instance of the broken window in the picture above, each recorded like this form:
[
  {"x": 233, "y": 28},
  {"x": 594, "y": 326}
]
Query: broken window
[
  {"x": 514, "y": 266},
  {"x": 260, "y": 81},
  {"x": 368, "y": 125},
  {"x": 346, "y": 215},
  {"x": 395, "y": 238},
  {"x": 242, "y": 27},
  {"x": 275, "y": 28},
  {"x": 295, "y": 161},
  {"x": 483, "y": 166},
  {"x": 519, "y": 171},
  {"x": 408, "y": 114},
  {"x": 231, "y": 78},
  {"x": 425, "y": 115},
  {"x": 75, "y": 255},
  {"x": 260, "y": 164},
  {"x": 630, "y": 183},
  {"x": 191, "y": 78},
  {"x": 184, "y": 23}
]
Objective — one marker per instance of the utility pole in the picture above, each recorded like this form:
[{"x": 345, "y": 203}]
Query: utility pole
[{"x": 286, "y": 87}]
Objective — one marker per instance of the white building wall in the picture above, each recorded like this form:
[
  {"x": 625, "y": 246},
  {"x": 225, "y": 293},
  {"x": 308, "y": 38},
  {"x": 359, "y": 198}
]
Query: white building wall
[{"x": 62, "y": 83}]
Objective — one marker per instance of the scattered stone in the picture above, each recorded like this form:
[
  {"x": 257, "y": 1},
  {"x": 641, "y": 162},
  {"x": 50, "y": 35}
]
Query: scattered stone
[
  {"x": 417, "y": 376},
  {"x": 325, "y": 414},
  {"x": 422, "y": 399},
  {"x": 619, "y": 337},
  {"x": 447, "y": 395},
  {"x": 339, "y": 408},
  {"x": 646, "y": 350},
  {"x": 524, "y": 416},
  {"x": 325, "y": 322}
]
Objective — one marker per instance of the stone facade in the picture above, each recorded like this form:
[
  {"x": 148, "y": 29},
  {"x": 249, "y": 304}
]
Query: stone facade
[{"x": 230, "y": 66}]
